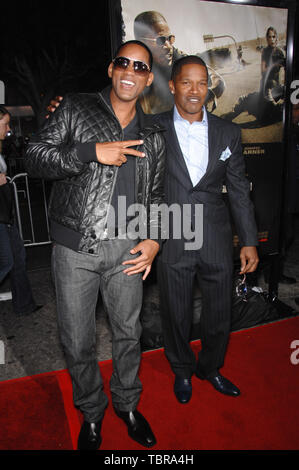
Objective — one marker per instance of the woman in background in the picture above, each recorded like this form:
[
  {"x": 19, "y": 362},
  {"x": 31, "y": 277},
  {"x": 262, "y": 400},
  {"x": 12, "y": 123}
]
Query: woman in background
[{"x": 12, "y": 251}]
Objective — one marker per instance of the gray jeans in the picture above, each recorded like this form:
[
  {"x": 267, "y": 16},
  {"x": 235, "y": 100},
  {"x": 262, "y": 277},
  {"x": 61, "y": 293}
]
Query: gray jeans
[{"x": 78, "y": 278}]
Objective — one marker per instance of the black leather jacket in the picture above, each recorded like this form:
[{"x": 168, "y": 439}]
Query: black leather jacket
[{"x": 83, "y": 190}]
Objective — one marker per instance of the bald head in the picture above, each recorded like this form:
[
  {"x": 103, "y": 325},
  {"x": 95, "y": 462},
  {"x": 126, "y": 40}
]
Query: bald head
[
  {"x": 151, "y": 28},
  {"x": 146, "y": 22}
]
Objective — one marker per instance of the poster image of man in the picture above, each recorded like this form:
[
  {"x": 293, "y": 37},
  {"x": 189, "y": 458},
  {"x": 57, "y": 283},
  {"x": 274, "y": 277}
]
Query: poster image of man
[
  {"x": 243, "y": 47},
  {"x": 151, "y": 27}
]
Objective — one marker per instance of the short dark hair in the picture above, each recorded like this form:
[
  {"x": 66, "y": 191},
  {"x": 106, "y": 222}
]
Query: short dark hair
[
  {"x": 188, "y": 59},
  {"x": 3, "y": 111},
  {"x": 146, "y": 20},
  {"x": 139, "y": 43},
  {"x": 271, "y": 28}
]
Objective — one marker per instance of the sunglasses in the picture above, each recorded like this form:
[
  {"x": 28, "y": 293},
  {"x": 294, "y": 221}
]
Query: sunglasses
[
  {"x": 124, "y": 62},
  {"x": 161, "y": 40}
]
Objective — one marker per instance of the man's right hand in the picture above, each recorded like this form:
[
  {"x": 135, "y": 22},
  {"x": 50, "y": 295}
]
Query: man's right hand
[
  {"x": 108, "y": 153},
  {"x": 113, "y": 153},
  {"x": 54, "y": 104}
]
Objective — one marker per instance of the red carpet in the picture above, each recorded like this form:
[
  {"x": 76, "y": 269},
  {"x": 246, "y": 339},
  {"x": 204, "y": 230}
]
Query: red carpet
[{"x": 36, "y": 413}]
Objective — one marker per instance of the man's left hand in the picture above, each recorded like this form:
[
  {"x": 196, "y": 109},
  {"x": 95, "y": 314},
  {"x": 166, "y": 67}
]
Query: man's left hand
[
  {"x": 249, "y": 259},
  {"x": 148, "y": 249}
]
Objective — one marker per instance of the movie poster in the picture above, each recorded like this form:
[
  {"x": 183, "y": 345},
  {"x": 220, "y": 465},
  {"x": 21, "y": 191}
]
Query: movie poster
[{"x": 245, "y": 50}]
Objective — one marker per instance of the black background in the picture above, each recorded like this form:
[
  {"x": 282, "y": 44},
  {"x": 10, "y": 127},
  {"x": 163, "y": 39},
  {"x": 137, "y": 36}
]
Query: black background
[{"x": 82, "y": 29}]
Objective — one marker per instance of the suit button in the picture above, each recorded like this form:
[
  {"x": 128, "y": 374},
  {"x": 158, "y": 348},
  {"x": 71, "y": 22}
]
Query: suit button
[{"x": 109, "y": 174}]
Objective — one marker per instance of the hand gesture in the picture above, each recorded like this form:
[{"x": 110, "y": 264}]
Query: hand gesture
[
  {"x": 53, "y": 105},
  {"x": 148, "y": 249},
  {"x": 113, "y": 153}
]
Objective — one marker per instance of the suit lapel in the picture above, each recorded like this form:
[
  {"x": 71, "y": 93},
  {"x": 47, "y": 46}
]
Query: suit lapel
[
  {"x": 213, "y": 139},
  {"x": 175, "y": 151}
]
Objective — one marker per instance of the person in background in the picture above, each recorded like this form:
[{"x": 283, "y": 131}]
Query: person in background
[
  {"x": 266, "y": 104},
  {"x": 12, "y": 250},
  {"x": 272, "y": 66}
]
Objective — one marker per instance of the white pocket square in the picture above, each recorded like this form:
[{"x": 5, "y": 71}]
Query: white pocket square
[{"x": 225, "y": 154}]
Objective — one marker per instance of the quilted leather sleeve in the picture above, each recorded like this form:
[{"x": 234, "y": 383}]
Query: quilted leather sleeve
[
  {"x": 157, "y": 190},
  {"x": 52, "y": 153}
]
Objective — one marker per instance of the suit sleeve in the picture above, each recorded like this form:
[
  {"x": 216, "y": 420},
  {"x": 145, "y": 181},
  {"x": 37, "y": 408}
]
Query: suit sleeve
[
  {"x": 238, "y": 188},
  {"x": 52, "y": 153}
]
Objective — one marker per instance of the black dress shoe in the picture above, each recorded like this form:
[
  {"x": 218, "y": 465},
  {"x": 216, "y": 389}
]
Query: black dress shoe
[
  {"x": 220, "y": 383},
  {"x": 138, "y": 428},
  {"x": 182, "y": 389},
  {"x": 90, "y": 436}
]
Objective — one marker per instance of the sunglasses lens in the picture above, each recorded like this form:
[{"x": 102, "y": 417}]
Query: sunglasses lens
[
  {"x": 161, "y": 40},
  {"x": 140, "y": 67},
  {"x": 121, "y": 62},
  {"x": 124, "y": 62}
]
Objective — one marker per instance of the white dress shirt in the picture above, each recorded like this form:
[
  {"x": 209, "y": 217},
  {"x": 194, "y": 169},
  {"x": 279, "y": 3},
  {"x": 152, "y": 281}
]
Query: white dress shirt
[{"x": 193, "y": 140}]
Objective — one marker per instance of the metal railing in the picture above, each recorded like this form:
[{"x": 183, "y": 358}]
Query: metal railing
[
  {"x": 21, "y": 185},
  {"x": 23, "y": 180}
]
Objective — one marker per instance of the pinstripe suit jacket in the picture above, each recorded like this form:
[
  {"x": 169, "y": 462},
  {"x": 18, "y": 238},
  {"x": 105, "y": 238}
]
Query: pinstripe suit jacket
[{"x": 217, "y": 233}]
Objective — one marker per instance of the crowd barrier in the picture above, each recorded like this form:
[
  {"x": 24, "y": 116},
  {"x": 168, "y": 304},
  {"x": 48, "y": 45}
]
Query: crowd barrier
[
  {"x": 21, "y": 188},
  {"x": 30, "y": 219}
]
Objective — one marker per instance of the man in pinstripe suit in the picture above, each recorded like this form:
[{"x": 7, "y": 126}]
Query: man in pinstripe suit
[{"x": 204, "y": 152}]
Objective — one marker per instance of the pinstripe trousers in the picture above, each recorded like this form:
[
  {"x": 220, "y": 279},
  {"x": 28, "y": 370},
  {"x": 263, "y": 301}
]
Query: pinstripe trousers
[{"x": 176, "y": 282}]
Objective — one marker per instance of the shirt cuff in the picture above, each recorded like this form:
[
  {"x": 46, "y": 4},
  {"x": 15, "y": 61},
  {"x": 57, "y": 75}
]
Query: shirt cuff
[{"x": 86, "y": 152}]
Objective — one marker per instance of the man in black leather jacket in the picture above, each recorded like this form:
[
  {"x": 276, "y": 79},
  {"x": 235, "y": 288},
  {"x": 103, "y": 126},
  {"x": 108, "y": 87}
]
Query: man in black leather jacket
[{"x": 85, "y": 147}]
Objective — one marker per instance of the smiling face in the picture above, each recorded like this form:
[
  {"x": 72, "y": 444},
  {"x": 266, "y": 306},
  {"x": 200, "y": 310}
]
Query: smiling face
[
  {"x": 127, "y": 84},
  {"x": 190, "y": 89}
]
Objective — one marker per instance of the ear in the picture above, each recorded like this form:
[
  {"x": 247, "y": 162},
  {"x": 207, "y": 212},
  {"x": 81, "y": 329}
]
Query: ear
[
  {"x": 150, "y": 79},
  {"x": 110, "y": 70},
  {"x": 171, "y": 86}
]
